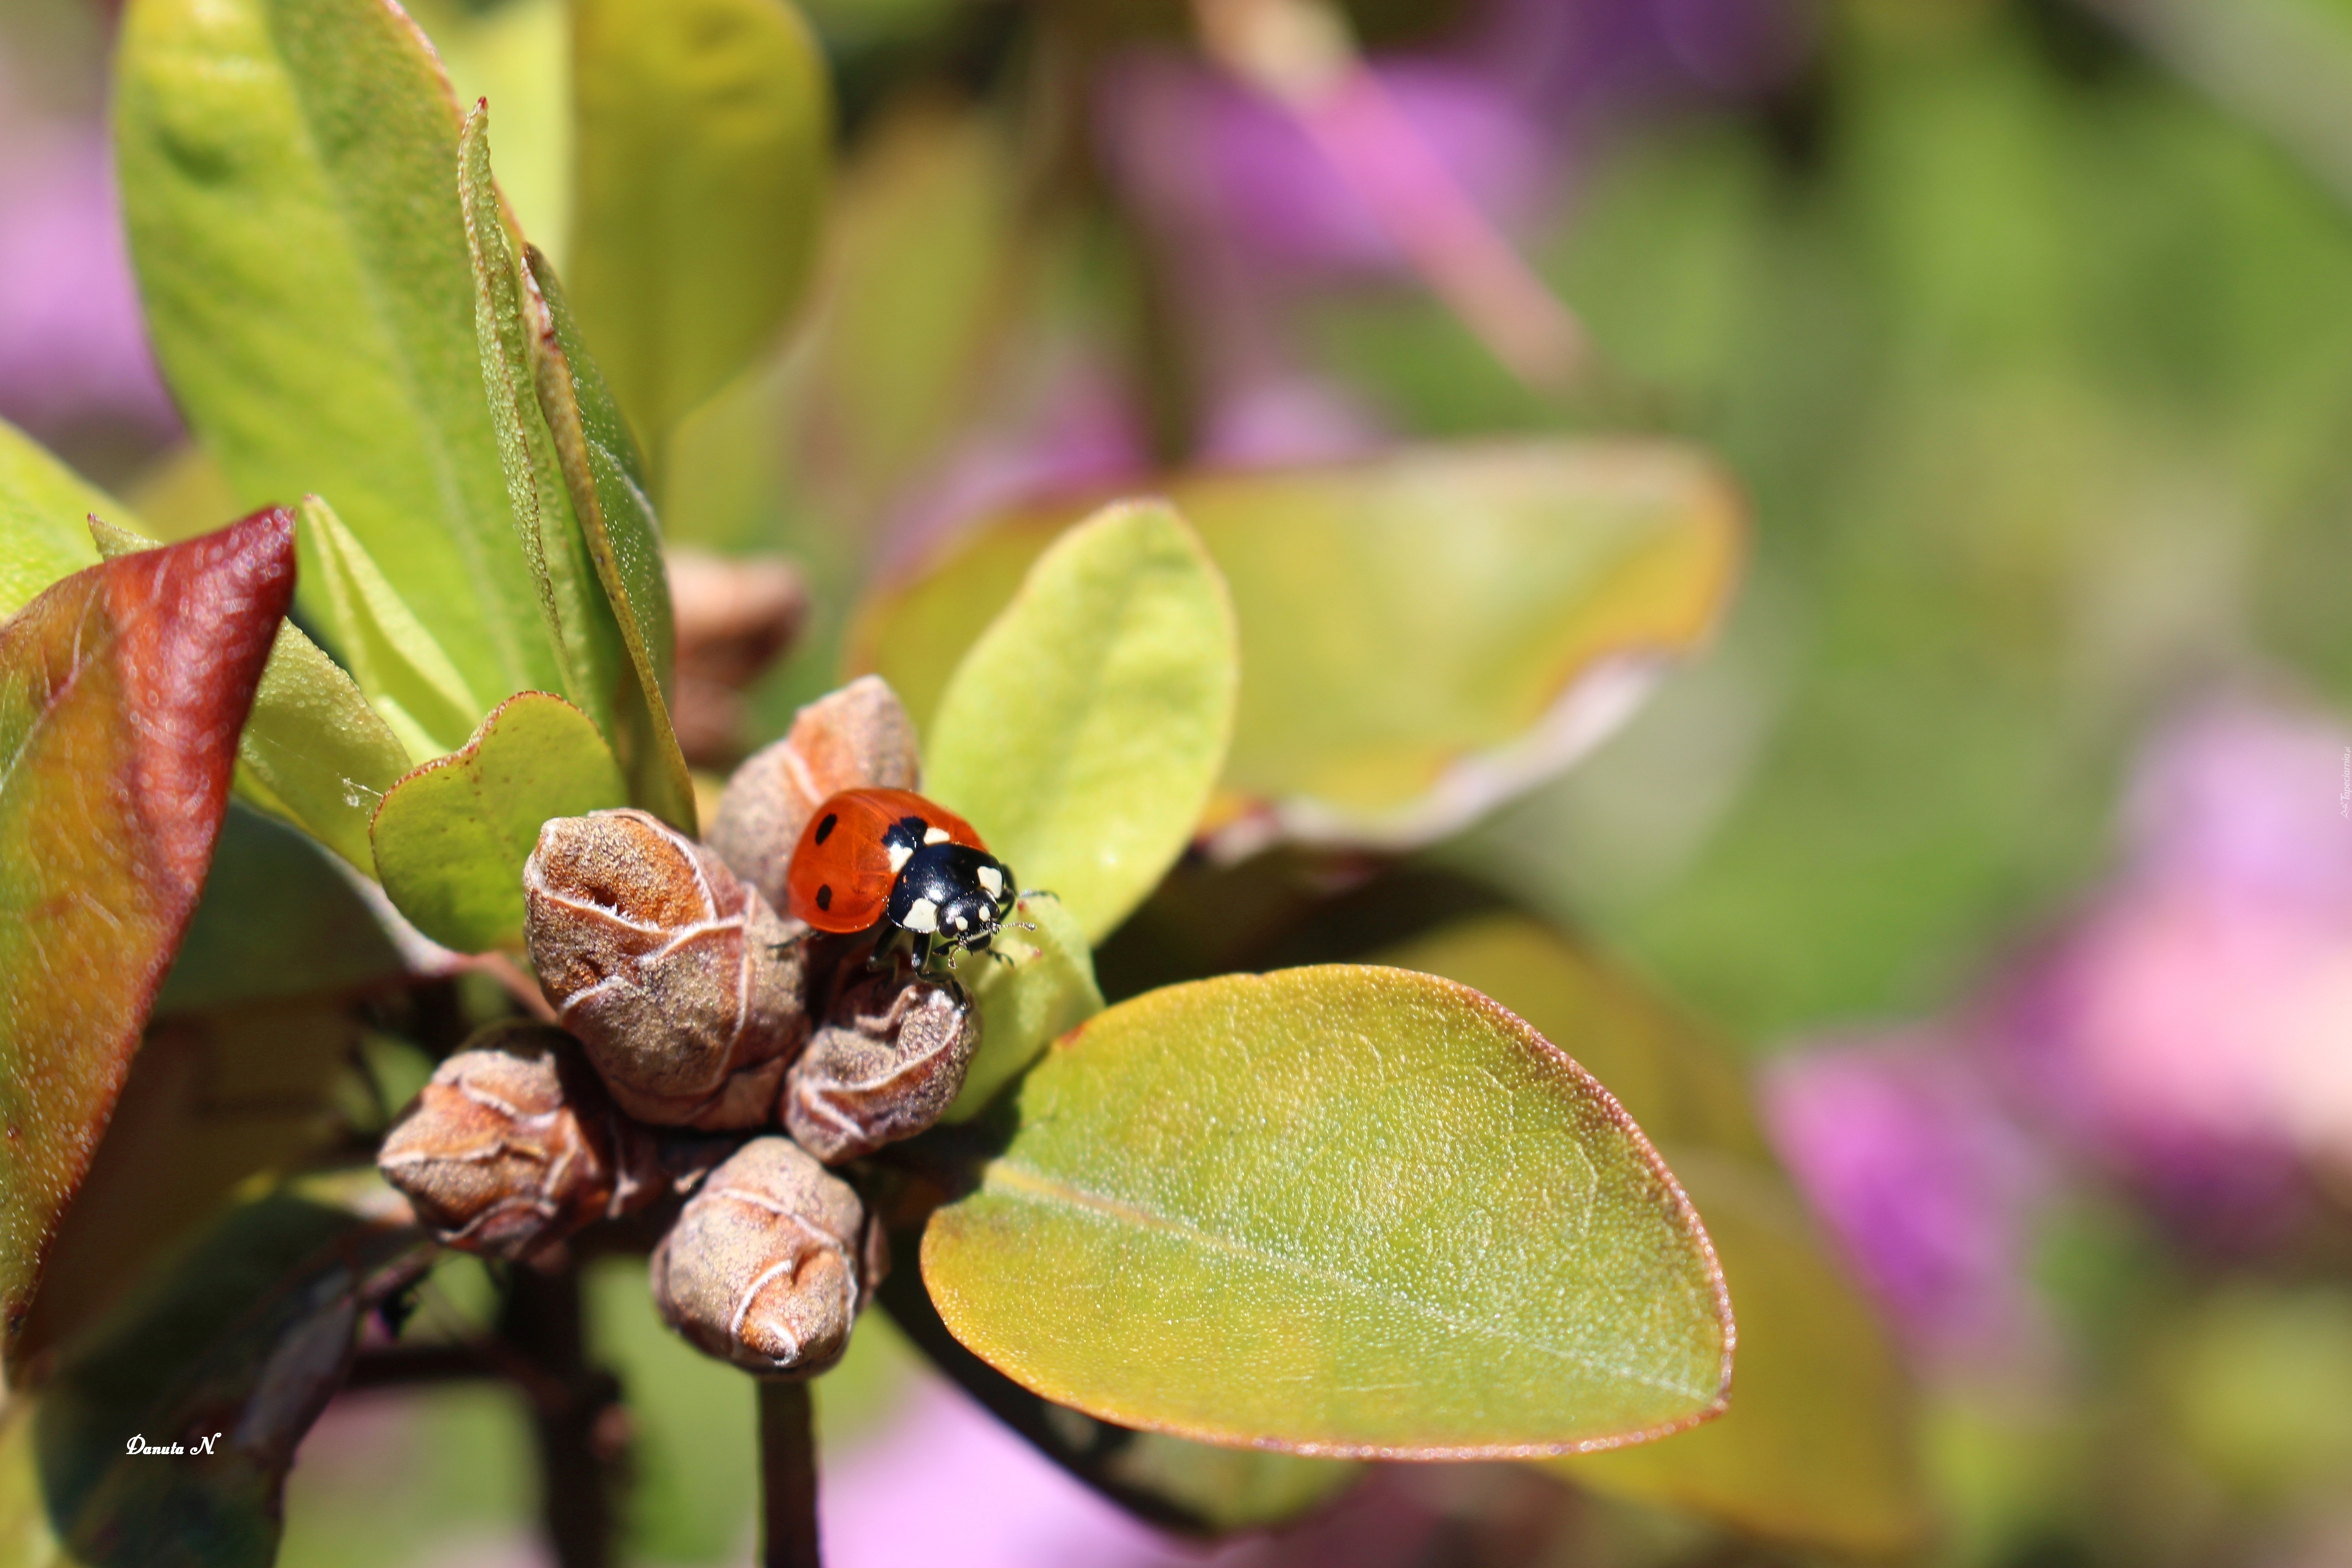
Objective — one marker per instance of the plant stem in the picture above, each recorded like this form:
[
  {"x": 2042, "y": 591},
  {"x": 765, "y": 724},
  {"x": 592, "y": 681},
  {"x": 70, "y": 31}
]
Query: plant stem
[
  {"x": 787, "y": 1476},
  {"x": 541, "y": 1321}
]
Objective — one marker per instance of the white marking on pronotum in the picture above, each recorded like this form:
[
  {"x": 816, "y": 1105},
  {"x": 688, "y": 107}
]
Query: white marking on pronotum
[
  {"x": 962, "y": 923},
  {"x": 899, "y": 856},
  {"x": 991, "y": 880},
  {"x": 923, "y": 917},
  {"x": 936, "y": 836}
]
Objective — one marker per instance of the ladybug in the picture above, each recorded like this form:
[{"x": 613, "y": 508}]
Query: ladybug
[{"x": 871, "y": 856}]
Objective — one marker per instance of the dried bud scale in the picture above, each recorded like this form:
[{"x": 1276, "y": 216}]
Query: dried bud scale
[
  {"x": 856, "y": 738},
  {"x": 514, "y": 1144},
  {"x": 769, "y": 1262},
  {"x": 683, "y": 984},
  {"x": 885, "y": 1065}
]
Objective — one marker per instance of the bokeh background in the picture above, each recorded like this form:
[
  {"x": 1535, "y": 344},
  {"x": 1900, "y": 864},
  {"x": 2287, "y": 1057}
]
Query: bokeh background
[{"x": 2006, "y": 829}]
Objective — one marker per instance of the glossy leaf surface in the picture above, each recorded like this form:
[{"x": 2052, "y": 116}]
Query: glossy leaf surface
[
  {"x": 1083, "y": 731},
  {"x": 289, "y": 181},
  {"x": 121, "y": 691},
  {"x": 704, "y": 128},
  {"x": 1343, "y": 1211},
  {"x": 1423, "y": 635},
  {"x": 242, "y": 1338},
  {"x": 313, "y": 751},
  {"x": 608, "y": 488},
  {"x": 42, "y": 505},
  {"x": 1817, "y": 1447},
  {"x": 571, "y": 599},
  {"x": 451, "y": 837}
]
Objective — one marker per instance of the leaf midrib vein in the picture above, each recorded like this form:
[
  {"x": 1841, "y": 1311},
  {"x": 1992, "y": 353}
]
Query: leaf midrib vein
[{"x": 1024, "y": 1184}]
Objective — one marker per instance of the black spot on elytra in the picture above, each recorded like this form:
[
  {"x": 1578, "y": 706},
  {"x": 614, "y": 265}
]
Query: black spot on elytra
[
  {"x": 825, "y": 828},
  {"x": 824, "y": 896}
]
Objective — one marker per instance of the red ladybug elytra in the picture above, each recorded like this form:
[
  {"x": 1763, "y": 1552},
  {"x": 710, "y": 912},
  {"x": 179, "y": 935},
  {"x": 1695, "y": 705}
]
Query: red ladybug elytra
[{"x": 871, "y": 856}]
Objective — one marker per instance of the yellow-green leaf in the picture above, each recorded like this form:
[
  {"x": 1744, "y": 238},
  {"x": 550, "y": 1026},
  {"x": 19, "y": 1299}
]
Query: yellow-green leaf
[
  {"x": 1344, "y": 1211},
  {"x": 451, "y": 837},
  {"x": 1424, "y": 634},
  {"x": 1083, "y": 731},
  {"x": 288, "y": 171},
  {"x": 1046, "y": 991},
  {"x": 400, "y": 664},
  {"x": 608, "y": 486},
  {"x": 579, "y": 620},
  {"x": 704, "y": 133}
]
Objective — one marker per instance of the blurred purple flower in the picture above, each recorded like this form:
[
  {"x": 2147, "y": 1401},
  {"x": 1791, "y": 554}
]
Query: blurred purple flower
[
  {"x": 2192, "y": 1029},
  {"x": 951, "y": 1486},
  {"x": 74, "y": 360},
  {"x": 1901, "y": 1146},
  {"x": 1079, "y": 436},
  {"x": 1205, "y": 155}
]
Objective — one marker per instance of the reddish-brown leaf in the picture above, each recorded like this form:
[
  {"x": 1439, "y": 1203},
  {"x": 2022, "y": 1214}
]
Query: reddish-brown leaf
[{"x": 122, "y": 692}]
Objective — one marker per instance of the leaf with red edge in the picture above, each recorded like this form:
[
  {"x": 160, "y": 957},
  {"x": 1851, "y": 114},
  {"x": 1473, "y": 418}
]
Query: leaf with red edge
[{"x": 122, "y": 692}]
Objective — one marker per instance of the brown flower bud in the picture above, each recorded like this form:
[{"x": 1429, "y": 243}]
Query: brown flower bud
[
  {"x": 856, "y": 738},
  {"x": 769, "y": 1262},
  {"x": 683, "y": 986},
  {"x": 514, "y": 1144},
  {"x": 885, "y": 1065},
  {"x": 734, "y": 617}
]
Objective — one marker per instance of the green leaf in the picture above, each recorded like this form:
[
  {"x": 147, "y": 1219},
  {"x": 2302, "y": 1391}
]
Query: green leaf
[
  {"x": 1344, "y": 1211},
  {"x": 122, "y": 692},
  {"x": 608, "y": 489},
  {"x": 1046, "y": 991},
  {"x": 42, "y": 505},
  {"x": 313, "y": 752},
  {"x": 1427, "y": 633},
  {"x": 243, "y": 1339},
  {"x": 1817, "y": 1446},
  {"x": 1195, "y": 1488},
  {"x": 704, "y": 132},
  {"x": 579, "y": 621},
  {"x": 1083, "y": 731},
  {"x": 401, "y": 665},
  {"x": 287, "y": 170},
  {"x": 324, "y": 756},
  {"x": 451, "y": 837}
]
